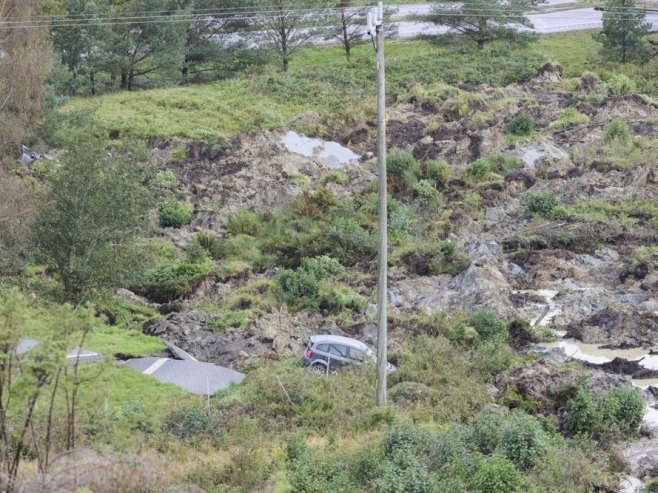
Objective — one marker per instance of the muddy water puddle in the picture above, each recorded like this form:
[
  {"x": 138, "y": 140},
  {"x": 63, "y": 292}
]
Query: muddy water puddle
[
  {"x": 332, "y": 154},
  {"x": 594, "y": 353}
]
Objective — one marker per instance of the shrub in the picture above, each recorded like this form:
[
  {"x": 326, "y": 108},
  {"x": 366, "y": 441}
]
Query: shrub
[
  {"x": 486, "y": 432},
  {"x": 623, "y": 406},
  {"x": 339, "y": 177},
  {"x": 488, "y": 326},
  {"x": 539, "y": 205},
  {"x": 426, "y": 194},
  {"x": 621, "y": 85},
  {"x": 435, "y": 259},
  {"x": 173, "y": 214},
  {"x": 209, "y": 242},
  {"x": 404, "y": 437},
  {"x": 171, "y": 281},
  {"x": 322, "y": 267},
  {"x": 243, "y": 222},
  {"x": 402, "y": 170},
  {"x": 165, "y": 180},
  {"x": 619, "y": 131},
  {"x": 583, "y": 416},
  {"x": 523, "y": 441},
  {"x": 438, "y": 172},
  {"x": 497, "y": 474},
  {"x": 571, "y": 116},
  {"x": 337, "y": 298},
  {"x": 480, "y": 171},
  {"x": 405, "y": 473},
  {"x": 350, "y": 242},
  {"x": 299, "y": 287},
  {"x": 619, "y": 412},
  {"x": 187, "y": 422},
  {"x": 521, "y": 125}
]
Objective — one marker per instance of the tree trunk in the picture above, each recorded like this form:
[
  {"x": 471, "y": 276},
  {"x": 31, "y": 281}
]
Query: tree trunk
[
  {"x": 346, "y": 39},
  {"x": 480, "y": 44},
  {"x": 124, "y": 79},
  {"x": 92, "y": 82}
]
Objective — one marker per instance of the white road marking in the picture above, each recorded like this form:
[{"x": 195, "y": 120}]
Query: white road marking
[{"x": 155, "y": 366}]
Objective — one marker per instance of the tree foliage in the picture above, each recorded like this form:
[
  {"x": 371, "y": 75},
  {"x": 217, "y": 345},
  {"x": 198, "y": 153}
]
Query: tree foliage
[
  {"x": 94, "y": 208},
  {"x": 484, "y": 21},
  {"x": 16, "y": 212},
  {"x": 624, "y": 28},
  {"x": 24, "y": 66}
]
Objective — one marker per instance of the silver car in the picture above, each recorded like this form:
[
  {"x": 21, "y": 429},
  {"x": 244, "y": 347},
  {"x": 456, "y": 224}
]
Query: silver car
[{"x": 326, "y": 353}]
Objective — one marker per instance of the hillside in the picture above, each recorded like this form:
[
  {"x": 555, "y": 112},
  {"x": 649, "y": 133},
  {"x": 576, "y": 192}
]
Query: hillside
[{"x": 523, "y": 272}]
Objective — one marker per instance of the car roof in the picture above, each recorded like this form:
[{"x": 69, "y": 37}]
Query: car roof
[{"x": 347, "y": 341}]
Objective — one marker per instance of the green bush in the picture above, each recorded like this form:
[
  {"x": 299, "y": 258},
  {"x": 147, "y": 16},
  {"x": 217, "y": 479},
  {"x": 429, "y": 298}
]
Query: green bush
[
  {"x": 523, "y": 441},
  {"x": 171, "y": 281},
  {"x": 339, "y": 177},
  {"x": 619, "y": 412},
  {"x": 521, "y": 125},
  {"x": 480, "y": 171},
  {"x": 540, "y": 205},
  {"x": 404, "y": 436},
  {"x": 486, "y": 432},
  {"x": 405, "y": 473},
  {"x": 243, "y": 222},
  {"x": 488, "y": 326},
  {"x": 188, "y": 421},
  {"x": 209, "y": 242},
  {"x": 621, "y": 85},
  {"x": 350, "y": 242},
  {"x": 322, "y": 267},
  {"x": 583, "y": 415},
  {"x": 314, "y": 471},
  {"x": 623, "y": 406},
  {"x": 165, "y": 180},
  {"x": 619, "y": 131},
  {"x": 299, "y": 287},
  {"x": 426, "y": 194},
  {"x": 173, "y": 214},
  {"x": 336, "y": 298},
  {"x": 402, "y": 170},
  {"x": 438, "y": 172},
  {"x": 497, "y": 474},
  {"x": 571, "y": 116}
]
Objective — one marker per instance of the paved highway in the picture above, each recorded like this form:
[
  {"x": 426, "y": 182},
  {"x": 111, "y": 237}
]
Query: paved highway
[{"x": 544, "y": 23}]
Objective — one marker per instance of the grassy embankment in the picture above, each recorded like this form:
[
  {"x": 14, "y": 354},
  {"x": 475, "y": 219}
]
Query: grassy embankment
[{"x": 342, "y": 92}]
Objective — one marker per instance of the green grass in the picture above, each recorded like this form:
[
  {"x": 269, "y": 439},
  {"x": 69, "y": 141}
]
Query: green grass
[
  {"x": 110, "y": 340},
  {"x": 320, "y": 79},
  {"x": 197, "y": 112},
  {"x": 576, "y": 52}
]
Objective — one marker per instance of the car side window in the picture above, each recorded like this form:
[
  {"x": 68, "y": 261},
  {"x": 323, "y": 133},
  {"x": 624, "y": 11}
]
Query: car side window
[
  {"x": 323, "y": 347},
  {"x": 357, "y": 354},
  {"x": 336, "y": 350}
]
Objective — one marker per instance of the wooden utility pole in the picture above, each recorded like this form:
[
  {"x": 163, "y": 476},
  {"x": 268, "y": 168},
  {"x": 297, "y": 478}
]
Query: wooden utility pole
[{"x": 377, "y": 18}]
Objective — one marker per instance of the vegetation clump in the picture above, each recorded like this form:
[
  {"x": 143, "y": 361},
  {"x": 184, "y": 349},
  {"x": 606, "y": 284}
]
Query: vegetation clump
[
  {"x": 521, "y": 125},
  {"x": 174, "y": 214}
]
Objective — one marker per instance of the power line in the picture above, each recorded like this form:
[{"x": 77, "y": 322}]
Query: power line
[{"x": 239, "y": 13}]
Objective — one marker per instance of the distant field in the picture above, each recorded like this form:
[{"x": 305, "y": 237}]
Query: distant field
[{"x": 341, "y": 91}]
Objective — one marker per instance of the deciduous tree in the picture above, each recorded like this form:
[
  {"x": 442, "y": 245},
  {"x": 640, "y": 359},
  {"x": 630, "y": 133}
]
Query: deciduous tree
[
  {"x": 24, "y": 65},
  {"x": 96, "y": 207}
]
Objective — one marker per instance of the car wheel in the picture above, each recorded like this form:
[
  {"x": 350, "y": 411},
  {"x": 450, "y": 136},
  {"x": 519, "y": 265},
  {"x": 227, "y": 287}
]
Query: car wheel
[{"x": 319, "y": 369}]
